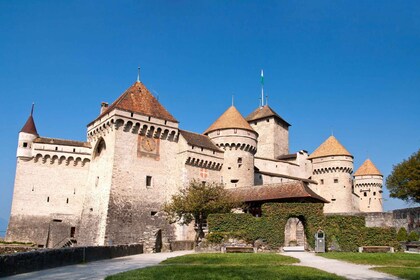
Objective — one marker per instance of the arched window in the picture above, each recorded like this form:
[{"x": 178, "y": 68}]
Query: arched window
[{"x": 100, "y": 148}]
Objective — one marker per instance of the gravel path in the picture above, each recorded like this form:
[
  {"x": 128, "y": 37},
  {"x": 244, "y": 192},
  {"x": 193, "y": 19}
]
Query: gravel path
[{"x": 341, "y": 268}]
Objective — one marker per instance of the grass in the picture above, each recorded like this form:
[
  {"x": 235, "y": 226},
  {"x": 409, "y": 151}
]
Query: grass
[
  {"x": 227, "y": 266},
  {"x": 380, "y": 259},
  {"x": 405, "y": 266},
  {"x": 411, "y": 273}
]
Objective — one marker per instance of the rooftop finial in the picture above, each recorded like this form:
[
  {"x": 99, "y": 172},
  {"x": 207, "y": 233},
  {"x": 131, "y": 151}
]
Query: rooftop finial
[
  {"x": 138, "y": 74},
  {"x": 32, "y": 109}
]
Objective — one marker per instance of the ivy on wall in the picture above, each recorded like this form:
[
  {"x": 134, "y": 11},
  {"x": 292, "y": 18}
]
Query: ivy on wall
[{"x": 345, "y": 233}]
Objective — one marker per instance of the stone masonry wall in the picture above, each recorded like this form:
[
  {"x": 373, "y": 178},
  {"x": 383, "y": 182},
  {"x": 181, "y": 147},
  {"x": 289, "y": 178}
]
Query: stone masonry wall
[{"x": 42, "y": 191}]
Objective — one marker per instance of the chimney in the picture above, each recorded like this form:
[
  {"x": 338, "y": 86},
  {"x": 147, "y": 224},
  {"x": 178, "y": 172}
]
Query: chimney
[{"x": 104, "y": 106}]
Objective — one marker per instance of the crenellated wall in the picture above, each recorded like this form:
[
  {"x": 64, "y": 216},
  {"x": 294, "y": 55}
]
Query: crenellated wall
[
  {"x": 40, "y": 203},
  {"x": 333, "y": 174}
]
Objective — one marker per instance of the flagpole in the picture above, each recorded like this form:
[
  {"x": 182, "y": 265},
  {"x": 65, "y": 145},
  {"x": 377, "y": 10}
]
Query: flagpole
[{"x": 262, "y": 88}]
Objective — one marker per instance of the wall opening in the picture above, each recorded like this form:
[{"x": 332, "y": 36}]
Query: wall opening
[
  {"x": 72, "y": 231},
  {"x": 148, "y": 181}
]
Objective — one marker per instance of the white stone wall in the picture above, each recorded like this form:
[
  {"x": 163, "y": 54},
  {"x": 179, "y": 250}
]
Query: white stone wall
[
  {"x": 333, "y": 175},
  {"x": 239, "y": 147},
  {"x": 45, "y": 188},
  {"x": 98, "y": 185},
  {"x": 273, "y": 138},
  {"x": 369, "y": 190},
  {"x": 25, "y": 144}
]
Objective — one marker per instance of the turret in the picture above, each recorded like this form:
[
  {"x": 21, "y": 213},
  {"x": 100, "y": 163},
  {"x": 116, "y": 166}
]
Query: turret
[
  {"x": 273, "y": 132},
  {"x": 27, "y": 135},
  {"x": 332, "y": 166},
  {"x": 232, "y": 133},
  {"x": 368, "y": 186}
]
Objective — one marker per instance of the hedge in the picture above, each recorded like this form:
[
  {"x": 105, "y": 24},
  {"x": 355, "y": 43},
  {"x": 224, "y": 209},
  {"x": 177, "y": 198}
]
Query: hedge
[{"x": 343, "y": 233}]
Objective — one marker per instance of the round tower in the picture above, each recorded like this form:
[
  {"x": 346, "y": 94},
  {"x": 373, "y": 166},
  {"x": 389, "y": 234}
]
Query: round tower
[
  {"x": 27, "y": 135},
  {"x": 232, "y": 133},
  {"x": 332, "y": 166},
  {"x": 368, "y": 186}
]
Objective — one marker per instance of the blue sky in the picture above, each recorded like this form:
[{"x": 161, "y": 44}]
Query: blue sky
[{"x": 351, "y": 67}]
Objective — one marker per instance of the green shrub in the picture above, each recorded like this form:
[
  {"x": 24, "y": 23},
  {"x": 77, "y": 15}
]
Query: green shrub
[
  {"x": 413, "y": 236},
  {"x": 402, "y": 234},
  {"x": 344, "y": 233}
]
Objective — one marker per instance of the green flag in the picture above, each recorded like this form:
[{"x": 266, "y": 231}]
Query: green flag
[{"x": 262, "y": 77}]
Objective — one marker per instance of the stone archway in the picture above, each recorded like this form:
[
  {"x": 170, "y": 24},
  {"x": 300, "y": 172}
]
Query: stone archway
[{"x": 294, "y": 233}]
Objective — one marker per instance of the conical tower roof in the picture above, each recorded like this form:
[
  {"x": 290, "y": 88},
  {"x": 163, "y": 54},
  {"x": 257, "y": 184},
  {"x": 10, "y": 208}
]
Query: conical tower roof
[
  {"x": 367, "y": 168},
  {"x": 138, "y": 99},
  {"x": 264, "y": 112},
  {"x": 231, "y": 118},
  {"x": 331, "y": 147},
  {"x": 29, "y": 126}
]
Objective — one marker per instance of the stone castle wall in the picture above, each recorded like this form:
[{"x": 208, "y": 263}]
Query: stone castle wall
[
  {"x": 45, "y": 189},
  {"x": 273, "y": 138},
  {"x": 333, "y": 175}
]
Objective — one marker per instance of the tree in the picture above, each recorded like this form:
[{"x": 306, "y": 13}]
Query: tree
[
  {"x": 413, "y": 236},
  {"x": 404, "y": 181},
  {"x": 196, "y": 202},
  {"x": 402, "y": 234}
]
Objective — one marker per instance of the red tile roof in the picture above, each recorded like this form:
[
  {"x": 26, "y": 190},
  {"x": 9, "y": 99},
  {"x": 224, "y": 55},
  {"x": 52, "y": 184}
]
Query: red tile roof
[
  {"x": 331, "y": 147},
  {"x": 367, "y": 168},
  {"x": 138, "y": 99},
  {"x": 29, "y": 126},
  {"x": 281, "y": 191},
  {"x": 199, "y": 140},
  {"x": 55, "y": 141},
  {"x": 264, "y": 112},
  {"x": 231, "y": 118}
]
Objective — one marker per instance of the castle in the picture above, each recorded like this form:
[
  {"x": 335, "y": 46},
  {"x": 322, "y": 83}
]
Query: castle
[{"x": 110, "y": 189}]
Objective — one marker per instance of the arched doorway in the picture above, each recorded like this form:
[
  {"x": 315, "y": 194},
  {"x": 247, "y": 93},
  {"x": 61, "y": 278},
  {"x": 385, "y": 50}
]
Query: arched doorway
[{"x": 294, "y": 233}]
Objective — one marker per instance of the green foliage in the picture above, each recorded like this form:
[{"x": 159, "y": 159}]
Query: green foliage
[
  {"x": 345, "y": 233},
  {"x": 196, "y": 202},
  {"x": 413, "y": 236},
  {"x": 227, "y": 266},
  {"x": 402, "y": 234},
  {"x": 404, "y": 181}
]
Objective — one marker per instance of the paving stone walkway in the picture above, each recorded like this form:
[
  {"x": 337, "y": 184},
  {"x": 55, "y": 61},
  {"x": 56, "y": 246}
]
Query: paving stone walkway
[
  {"x": 99, "y": 269},
  {"x": 341, "y": 268}
]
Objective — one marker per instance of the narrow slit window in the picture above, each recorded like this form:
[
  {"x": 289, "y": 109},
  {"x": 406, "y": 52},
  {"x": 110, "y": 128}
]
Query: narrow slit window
[{"x": 148, "y": 181}]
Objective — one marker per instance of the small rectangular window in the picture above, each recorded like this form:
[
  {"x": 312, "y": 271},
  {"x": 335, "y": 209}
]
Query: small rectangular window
[
  {"x": 322, "y": 181},
  {"x": 72, "y": 231},
  {"x": 335, "y": 180},
  {"x": 148, "y": 181},
  {"x": 25, "y": 145}
]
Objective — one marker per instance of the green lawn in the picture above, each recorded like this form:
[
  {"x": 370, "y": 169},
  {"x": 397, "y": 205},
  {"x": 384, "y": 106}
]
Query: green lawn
[
  {"x": 227, "y": 266},
  {"x": 403, "y": 265}
]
